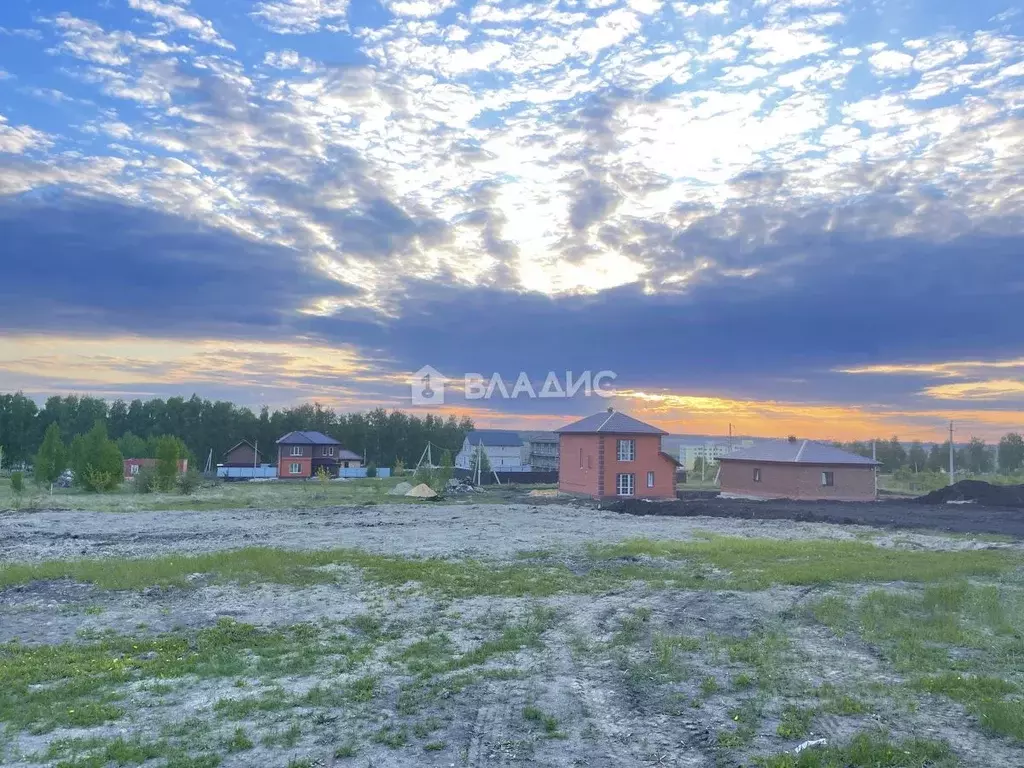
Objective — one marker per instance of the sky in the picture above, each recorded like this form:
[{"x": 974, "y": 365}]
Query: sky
[{"x": 794, "y": 216}]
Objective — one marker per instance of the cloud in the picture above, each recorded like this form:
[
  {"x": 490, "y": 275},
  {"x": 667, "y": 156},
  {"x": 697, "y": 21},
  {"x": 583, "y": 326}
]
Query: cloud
[
  {"x": 174, "y": 15},
  {"x": 148, "y": 273},
  {"x": 301, "y": 16},
  {"x": 17, "y": 139},
  {"x": 891, "y": 62}
]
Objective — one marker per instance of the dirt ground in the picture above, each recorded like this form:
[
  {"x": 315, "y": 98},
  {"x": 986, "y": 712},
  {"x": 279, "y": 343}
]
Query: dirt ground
[
  {"x": 908, "y": 513},
  {"x": 631, "y": 676}
]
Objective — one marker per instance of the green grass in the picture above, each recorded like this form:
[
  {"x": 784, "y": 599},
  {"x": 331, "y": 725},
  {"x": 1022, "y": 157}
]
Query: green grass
[
  {"x": 392, "y": 736},
  {"x": 795, "y": 722},
  {"x": 867, "y": 751},
  {"x": 346, "y": 750},
  {"x": 548, "y": 723},
  {"x": 759, "y": 563},
  {"x": 80, "y": 684},
  {"x": 717, "y": 563},
  {"x": 102, "y": 753},
  {"x": 282, "y": 495},
  {"x": 239, "y": 741},
  {"x": 959, "y": 640}
]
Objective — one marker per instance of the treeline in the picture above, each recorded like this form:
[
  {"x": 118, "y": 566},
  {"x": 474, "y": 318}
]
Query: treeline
[
  {"x": 382, "y": 436},
  {"x": 975, "y": 458}
]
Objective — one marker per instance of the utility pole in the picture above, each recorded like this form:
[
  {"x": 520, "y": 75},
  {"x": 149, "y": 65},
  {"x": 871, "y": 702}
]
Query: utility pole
[
  {"x": 952, "y": 470},
  {"x": 874, "y": 457}
]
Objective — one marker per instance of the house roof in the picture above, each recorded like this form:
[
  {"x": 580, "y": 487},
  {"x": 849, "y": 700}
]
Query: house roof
[
  {"x": 494, "y": 437},
  {"x": 671, "y": 458},
  {"x": 612, "y": 422},
  {"x": 346, "y": 455},
  {"x": 307, "y": 438},
  {"x": 797, "y": 452},
  {"x": 239, "y": 444}
]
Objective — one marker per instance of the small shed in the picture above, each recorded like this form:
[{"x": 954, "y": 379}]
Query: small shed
[{"x": 797, "y": 469}]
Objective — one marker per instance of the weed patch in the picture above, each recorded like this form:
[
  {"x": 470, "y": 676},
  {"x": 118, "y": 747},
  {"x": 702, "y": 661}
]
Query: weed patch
[{"x": 868, "y": 751}]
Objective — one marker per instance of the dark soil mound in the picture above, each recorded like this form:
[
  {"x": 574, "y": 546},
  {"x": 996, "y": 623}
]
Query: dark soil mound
[{"x": 980, "y": 492}]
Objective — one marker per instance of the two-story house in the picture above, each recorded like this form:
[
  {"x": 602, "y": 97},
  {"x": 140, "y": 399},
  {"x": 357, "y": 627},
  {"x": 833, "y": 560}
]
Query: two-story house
[
  {"x": 505, "y": 450},
  {"x": 302, "y": 454},
  {"x": 611, "y": 454}
]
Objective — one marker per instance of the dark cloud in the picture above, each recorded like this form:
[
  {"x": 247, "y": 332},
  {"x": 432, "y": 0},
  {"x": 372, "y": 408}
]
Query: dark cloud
[{"x": 74, "y": 265}]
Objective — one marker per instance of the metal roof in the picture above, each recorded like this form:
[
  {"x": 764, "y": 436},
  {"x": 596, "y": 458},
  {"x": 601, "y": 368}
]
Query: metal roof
[
  {"x": 612, "y": 422},
  {"x": 797, "y": 452},
  {"x": 307, "y": 438},
  {"x": 539, "y": 437},
  {"x": 346, "y": 455},
  {"x": 494, "y": 437}
]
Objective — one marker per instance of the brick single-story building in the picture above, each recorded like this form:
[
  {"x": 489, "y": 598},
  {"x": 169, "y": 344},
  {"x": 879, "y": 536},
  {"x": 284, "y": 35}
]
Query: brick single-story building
[
  {"x": 797, "y": 469},
  {"x": 302, "y": 454},
  {"x": 132, "y": 467},
  {"x": 611, "y": 455}
]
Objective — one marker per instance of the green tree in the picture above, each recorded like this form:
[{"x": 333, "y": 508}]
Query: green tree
[
  {"x": 52, "y": 457},
  {"x": 133, "y": 447},
  {"x": 96, "y": 461},
  {"x": 17, "y": 483},
  {"x": 168, "y": 452},
  {"x": 977, "y": 457},
  {"x": 917, "y": 458},
  {"x": 938, "y": 458},
  {"x": 1011, "y": 452},
  {"x": 371, "y": 470},
  {"x": 444, "y": 472}
]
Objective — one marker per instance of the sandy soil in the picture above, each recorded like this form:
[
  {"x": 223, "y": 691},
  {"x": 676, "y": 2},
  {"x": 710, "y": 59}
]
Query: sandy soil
[
  {"x": 609, "y": 710},
  {"x": 433, "y": 529}
]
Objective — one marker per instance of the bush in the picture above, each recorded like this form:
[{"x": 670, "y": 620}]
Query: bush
[
  {"x": 96, "y": 460},
  {"x": 399, "y": 468},
  {"x": 145, "y": 480},
  {"x": 371, "y": 470},
  {"x": 17, "y": 482},
  {"x": 189, "y": 482},
  {"x": 52, "y": 457}
]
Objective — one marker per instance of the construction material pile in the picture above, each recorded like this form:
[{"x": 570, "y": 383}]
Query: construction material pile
[
  {"x": 456, "y": 486},
  {"x": 421, "y": 491},
  {"x": 977, "y": 492},
  {"x": 401, "y": 489}
]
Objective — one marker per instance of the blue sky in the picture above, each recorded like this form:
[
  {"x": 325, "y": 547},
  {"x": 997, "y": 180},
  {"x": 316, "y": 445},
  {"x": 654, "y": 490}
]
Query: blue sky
[{"x": 798, "y": 216}]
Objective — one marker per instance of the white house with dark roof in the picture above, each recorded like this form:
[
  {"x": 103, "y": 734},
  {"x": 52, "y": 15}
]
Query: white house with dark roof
[{"x": 506, "y": 451}]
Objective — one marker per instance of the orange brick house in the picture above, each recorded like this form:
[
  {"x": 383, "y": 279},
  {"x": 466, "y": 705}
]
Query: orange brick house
[
  {"x": 300, "y": 455},
  {"x": 611, "y": 455}
]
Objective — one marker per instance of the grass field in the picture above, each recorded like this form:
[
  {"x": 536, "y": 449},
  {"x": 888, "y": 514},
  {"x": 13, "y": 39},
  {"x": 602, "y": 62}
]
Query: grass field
[
  {"x": 243, "y": 495},
  {"x": 716, "y": 650}
]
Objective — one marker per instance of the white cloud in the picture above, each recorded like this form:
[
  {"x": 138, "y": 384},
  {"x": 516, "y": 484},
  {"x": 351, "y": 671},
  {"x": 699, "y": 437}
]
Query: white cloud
[
  {"x": 288, "y": 59},
  {"x": 610, "y": 29},
  {"x": 647, "y": 7},
  {"x": 891, "y": 62},
  {"x": 300, "y": 16},
  {"x": 689, "y": 10},
  {"x": 419, "y": 8},
  {"x": 175, "y": 16},
  {"x": 17, "y": 139}
]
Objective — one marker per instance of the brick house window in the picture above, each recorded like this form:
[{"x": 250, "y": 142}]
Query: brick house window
[
  {"x": 296, "y": 450},
  {"x": 581, "y": 458},
  {"x": 624, "y": 485},
  {"x": 828, "y": 479},
  {"x": 650, "y": 479},
  {"x": 133, "y": 469},
  {"x": 626, "y": 450},
  {"x": 295, "y": 468},
  {"x": 329, "y": 451},
  {"x": 757, "y": 474}
]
